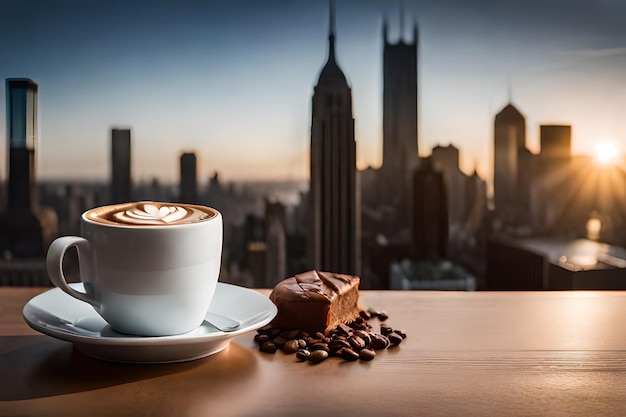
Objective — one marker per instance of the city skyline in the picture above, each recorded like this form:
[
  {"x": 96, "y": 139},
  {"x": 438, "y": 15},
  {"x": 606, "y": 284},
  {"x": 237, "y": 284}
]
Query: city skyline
[{"x": 215, "y": 78}]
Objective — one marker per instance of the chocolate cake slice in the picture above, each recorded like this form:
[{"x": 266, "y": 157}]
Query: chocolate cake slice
[{"x": 316, "y": 301}]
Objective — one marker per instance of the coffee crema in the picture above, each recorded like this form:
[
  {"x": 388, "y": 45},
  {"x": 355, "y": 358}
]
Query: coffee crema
[{"x": 149, "y": 213}]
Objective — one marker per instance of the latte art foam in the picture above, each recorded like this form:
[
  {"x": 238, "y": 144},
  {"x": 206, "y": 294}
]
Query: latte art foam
[{"x": 150, "y": 214}]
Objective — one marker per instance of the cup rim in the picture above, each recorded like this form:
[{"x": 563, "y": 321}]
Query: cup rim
[{"x": 217, "y": 215}]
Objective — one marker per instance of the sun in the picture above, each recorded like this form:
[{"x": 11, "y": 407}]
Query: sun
[{"x": 606, "y": 153}]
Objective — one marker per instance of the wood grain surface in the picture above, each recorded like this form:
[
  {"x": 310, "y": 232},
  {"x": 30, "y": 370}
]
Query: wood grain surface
[{"x": 466, "y": 354}]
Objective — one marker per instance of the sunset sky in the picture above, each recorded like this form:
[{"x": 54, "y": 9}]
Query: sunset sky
[{"x": 233, "y": 80}]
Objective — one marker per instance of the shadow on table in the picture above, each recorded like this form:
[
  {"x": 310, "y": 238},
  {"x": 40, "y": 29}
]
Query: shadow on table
[{"x": 41, "y": 367}]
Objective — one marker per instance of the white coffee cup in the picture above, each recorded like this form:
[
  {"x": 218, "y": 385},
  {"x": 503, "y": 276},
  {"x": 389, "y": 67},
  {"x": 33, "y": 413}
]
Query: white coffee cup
[{"x": 144, "y": 274}]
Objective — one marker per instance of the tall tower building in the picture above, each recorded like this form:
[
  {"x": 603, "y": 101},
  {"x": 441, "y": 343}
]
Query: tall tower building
[
  {"x": 188, "y": 178},
  {"x": 400, "y": 141},
  {"x": 120, "y": 166},
  {"x": 276, "y": 238},
  {"x": 509, "y": 143},
  {"x": 334, "y": 201},
  {"x": 20, "y": 230},
  {"x": 430, "y": 211},
  {"x": 556, "y": 147}
]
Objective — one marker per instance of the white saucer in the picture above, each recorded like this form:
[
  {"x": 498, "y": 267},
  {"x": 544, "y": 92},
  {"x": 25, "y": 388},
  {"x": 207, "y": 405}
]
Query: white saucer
[{"x": 61, "y": 316}]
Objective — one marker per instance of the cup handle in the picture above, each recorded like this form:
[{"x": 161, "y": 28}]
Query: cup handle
[{"x": 54, "y": 264}]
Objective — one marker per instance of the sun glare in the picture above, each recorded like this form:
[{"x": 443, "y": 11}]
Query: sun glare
[{"x": 606, "y": 153}]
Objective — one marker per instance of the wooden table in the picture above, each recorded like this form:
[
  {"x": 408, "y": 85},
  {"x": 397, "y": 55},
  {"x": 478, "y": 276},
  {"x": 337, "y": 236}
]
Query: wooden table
[{"x": 466, "y": 354}]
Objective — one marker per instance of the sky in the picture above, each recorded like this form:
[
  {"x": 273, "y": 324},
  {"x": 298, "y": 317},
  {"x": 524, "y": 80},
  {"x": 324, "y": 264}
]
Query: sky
[{"x": 233, "y": 80}]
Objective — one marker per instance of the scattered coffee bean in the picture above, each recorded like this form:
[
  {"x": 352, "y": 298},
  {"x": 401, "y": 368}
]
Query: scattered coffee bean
[
  {"x": 338, "y": 344},
  {"x": 344, "y": 329},
  {"x": 348, "y": 354},
  {"x": 291, "y": 346},
  {"x": 356, "y": 342},
  {"x": 385, "y": 330},
  {"x": 394, "y": 339},
  {"x": 363, "y": 335},
  {"x": 265, "y": 329},
  {"x": 292, "y": 334},
  {"x": 367, "y": 354},
  {"x": 319, "y": 346},
  {"x": 279, "y": 341},
  {"x": 373, "y": 312},
  {"x": 274, "y": 332},
  {"x": 268, "y": 347},
  {"x": 379, "y": 342},
  {"x": 302, "y": 355},
  {"x": 350, "y": 341},
  {"x": 318, "y": 356}
]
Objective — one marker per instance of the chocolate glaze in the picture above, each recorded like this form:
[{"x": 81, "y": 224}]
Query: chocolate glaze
[{"x": 313, "y": 300}]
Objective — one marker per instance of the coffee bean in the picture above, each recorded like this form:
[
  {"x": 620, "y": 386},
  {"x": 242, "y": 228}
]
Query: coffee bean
[
  {"x": 356, "y": 342},
  {"x": 319, "y": 346},
  {"x": 344, "y": 329},
  {"x": 292, "y": 334},
  {"x": 394, "y": 339},
  {"x": 379, "y": 342},
  {"x": 363, "y": 335},
  {"x": 373, "y": 312},
  {"x": 274, "y": 332},
  {"x": 348, "y": 354},
  {"x": 385, "y": 330},
  {"x": 317, "y": 356},
  {"x": 367, "y": 354},
  {"x": 279, "y": 341},
  {"x": 265, "y": 329},
  {"x": 338, "y": 344},
  {"x": 291, "y": 346},
  {"x": 302, "y": 355},
  {"x": 268, "y": 347},
  {"x": 350, "y": 341}
]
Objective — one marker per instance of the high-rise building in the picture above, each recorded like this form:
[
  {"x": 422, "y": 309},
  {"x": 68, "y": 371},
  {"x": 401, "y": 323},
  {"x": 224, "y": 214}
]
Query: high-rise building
[
  {"x": 276, "y": 239},
  {"x": 188, "y": 178},
  {"x": 430, "y": 213},
  {"x": 556, "y": 147},
  {"x": 20, "y": 229},
  {"x": 446, "y": 159},
  {"x": 334, "y": 202},
  {"x": 120, "y": 166},
  {"x": 508, "y": 144},
  {"x": 400, "y": 129}
]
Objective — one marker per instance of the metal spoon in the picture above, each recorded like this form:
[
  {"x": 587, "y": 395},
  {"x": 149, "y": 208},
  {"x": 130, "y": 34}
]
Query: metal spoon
[{"x": 228, "y": 324}]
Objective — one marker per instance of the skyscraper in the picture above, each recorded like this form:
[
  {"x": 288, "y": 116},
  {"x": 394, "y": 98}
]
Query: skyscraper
[
  {"x": 276, "y": 238},
  {"x": 556, "y": 147},
  {"x": 509, "y": 143},
  {"x": 188, "y": 178},
  {"x": 334, "y": 203},
  {"x": 20, "y": 231},
  {"x": 120, "y": 166},
  {"x": 400, "y": 140},
  {"x": 430, "y": 213}
]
